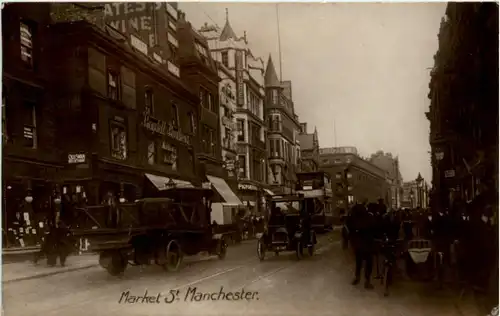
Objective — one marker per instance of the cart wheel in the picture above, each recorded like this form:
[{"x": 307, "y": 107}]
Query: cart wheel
[
  {"x": 222, "y": 249},
  {"x": 300, "y": 250},
  {"x": 261, "y": 249},
  {"x": 117, "y": 265},
  {"x": 173, "y": 256}
]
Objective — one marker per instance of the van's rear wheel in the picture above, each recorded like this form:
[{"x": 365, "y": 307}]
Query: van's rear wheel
[
  {"x": 173, "y": 256},
  {"x": 117, "y": 263}
]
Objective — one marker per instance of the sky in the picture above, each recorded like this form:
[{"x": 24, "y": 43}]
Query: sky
[{"x": 361, "y": 67}]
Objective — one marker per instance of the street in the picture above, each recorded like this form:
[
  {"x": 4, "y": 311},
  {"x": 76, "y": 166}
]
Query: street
[{"x": 279, "y": 285}]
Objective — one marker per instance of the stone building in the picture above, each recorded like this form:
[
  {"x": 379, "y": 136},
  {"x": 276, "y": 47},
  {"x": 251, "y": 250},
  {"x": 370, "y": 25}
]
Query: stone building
[
  {"x": 283, "y": 129},
  {"x": 235, "y": 57},
  {"x": 309, "y": 150},
  {"x": 389, "y": 163}
]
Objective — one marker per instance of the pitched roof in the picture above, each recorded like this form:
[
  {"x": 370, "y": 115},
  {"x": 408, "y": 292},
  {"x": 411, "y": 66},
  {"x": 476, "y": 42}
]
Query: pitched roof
[
  {"x": 227, "y": 31},
  {"x": 271, "y": 78}
]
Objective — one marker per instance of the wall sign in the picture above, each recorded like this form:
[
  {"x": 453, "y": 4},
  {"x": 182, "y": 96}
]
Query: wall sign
[
  {"x": 76, "y": 158},
  {"x": 239, "y": 78},
  {"x": 163, "y": 128},
  {"x": 249, "y": 187}
]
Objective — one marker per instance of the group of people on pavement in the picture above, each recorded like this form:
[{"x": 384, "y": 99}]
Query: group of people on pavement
[{"x": 465, "y": 234}]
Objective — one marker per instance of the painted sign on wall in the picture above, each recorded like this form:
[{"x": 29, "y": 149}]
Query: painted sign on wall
[{"x": 163, "y": 128}]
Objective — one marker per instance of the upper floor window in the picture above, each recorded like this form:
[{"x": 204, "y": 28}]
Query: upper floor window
[
  {"x": 175, "y": 116},
  {"x": 225, "y": 59},
  {"x": 254, "y": 104},
  {"x": 192, "y": 123},
  {"x": 275, "y": 123},
  {"x": 240, "y": 130},
  {"x": 26, "y": 33},
  {"x": 275, "y": 96},
  {"x": 118, "y": 140},
  {"x": 169, "y": 155},
  {"x": 149, "y": 102},
  {"x": 113, "y": 85},
  {"x": 29, "y": 127},
  {"x": 151, "y": 153}
]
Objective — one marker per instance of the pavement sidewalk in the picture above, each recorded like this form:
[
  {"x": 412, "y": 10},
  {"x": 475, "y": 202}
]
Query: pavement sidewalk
[{"x": 19, "y": 271}]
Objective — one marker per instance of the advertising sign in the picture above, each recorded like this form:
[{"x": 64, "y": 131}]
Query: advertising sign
[{"x": 239, "y": 78}]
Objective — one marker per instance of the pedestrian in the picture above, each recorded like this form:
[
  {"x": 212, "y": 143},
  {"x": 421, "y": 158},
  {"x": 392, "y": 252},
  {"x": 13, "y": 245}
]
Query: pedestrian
[{"x": 361, "y": 228}]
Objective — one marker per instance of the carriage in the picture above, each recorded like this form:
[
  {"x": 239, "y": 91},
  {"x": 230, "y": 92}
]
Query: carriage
[
  {"x": 288, "y": 229},
  {"x": 159, "y": 230}
]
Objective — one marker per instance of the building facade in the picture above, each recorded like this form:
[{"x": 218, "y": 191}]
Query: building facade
[
  {"x": 31, "y": 157},
  {"x": 463, "y": 114},
  {"x": 353, "y": 179},
  {"x": 234, "y": 56},
  {"x": 283, "y": 130},
  {"x": 390, "y": 164},
  {"x": 309, "y": 150}
]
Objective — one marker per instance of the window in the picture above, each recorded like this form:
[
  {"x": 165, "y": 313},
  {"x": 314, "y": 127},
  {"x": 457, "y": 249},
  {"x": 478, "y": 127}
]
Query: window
[
  {"x": 338, "y": 175},
  {"x": 225, "y": 59},
  {"x": 118, "y": 141},
  {"x": 350, "y": 199},
  {"x": 149, "y": 102},
  {"x": 349, "y": 175},
  {"x": 241, "y": 130},
  {"x": 206, "y": 99},
  {"x": 26, "y": 33},
  {"x": 192, "y": 123},
  {"x": 169, "y": 155},
  {"x": 227, "y": 137},
  {"x": 272, "y": 147},
  {"x": 275, "y": 122},
  {"x": 175, "y": 116},
  {"x": 274, "y": 94},
  {"x": 254, "y": 104},
  {"x": 210, "y": 104},
  {"x": 113, "y": 84},
  {"x": 151, "y": 153},
  {"x": 242, "y": 166},
  {"x": 29, "y": 128},
  {"x": 212, "y": 139}
]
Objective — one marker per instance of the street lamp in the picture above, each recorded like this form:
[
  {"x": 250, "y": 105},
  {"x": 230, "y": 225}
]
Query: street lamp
[
  {"x": 28, "y": 198},
  {"x": 419, "y": 181}
]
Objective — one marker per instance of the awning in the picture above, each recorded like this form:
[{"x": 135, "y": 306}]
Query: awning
[
  {"x": 224, "y": 190},
  {"x": 163, "y": 183},
  {"x": 269, "y": 192}
]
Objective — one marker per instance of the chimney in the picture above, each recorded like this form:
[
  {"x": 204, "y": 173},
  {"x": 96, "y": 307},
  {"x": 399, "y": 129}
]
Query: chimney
[{"x": 303, "y": 128}]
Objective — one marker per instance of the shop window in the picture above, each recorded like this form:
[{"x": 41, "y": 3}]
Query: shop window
[
  {"x": 151, "y": 153},
  {"x": 175, "y": 116},
  {"x": 225, "y": 59},
  {"x": 118, "y": 140},
  {"x": 241, "y": 130},
  {"x": 26, "y": 34},
  {"x": 169, "y": 155},
  {"x": 350, "y": 199},
  {"x": 29, "y": 128},
  {"x": 149, "y": 102},
  {"x": 338, "y": 175},
  {"x": 113, "y": 85}
]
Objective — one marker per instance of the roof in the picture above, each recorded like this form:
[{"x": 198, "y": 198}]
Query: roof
[
  {"x": 271, "y": 78},
  {"x": 306, "y": 141},
  {"x": 227, "y": 31}
]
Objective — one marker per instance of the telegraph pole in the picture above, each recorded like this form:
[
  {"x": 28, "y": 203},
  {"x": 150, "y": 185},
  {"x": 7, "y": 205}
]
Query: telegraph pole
[{"x": 279, "y": 41}]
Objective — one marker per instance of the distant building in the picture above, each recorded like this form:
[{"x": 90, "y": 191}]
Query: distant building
[
  {"x": 283, "y": 128},
  {"x": 413, "y": 196},
  {"x": 309, "y": 150},
  {"x": 353, "y": 178},
  {"x": 390, "y": 164}
]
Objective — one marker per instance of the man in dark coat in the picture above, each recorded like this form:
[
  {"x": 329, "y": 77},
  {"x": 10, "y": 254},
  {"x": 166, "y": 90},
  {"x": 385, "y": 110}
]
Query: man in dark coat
[{"x": 361, "y": 227}]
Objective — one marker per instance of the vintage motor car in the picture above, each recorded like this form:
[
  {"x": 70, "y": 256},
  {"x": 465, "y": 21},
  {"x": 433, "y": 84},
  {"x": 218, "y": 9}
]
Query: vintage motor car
[{"x": 288, "y": 228}]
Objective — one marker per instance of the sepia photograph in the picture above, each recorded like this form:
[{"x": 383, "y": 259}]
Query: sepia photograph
[{"x": 250, "y": 158}]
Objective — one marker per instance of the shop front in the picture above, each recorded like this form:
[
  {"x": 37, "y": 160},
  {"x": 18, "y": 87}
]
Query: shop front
[
  {"x": 30, "y": 201},
  {"x": 252, "y": 195}
]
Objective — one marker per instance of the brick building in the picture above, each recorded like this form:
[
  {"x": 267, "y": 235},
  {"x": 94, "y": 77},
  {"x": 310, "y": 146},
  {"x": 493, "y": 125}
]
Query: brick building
[
  {"x": 353, "y": 178},
  {"x": 463, "y": 113},
  {"x": 31, "y": 158},
  {"x": 309, "y": 149},
  {"x": 283, "y": 128},
  {"x": 121, "y": 115}
]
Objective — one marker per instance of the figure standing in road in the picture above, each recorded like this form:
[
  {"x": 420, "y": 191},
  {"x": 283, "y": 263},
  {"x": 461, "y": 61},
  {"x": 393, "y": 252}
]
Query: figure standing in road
[{"x": 361, "y": 227}]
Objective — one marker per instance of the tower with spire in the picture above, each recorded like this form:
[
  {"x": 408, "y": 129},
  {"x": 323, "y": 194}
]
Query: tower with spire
[{"x": 242, "y": 102}]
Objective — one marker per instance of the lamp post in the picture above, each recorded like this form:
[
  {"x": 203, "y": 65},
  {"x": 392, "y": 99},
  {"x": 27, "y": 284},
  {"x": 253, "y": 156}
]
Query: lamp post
[
  {"x": 419, "y": 181},
  {"x": 411, "y": 198}
]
